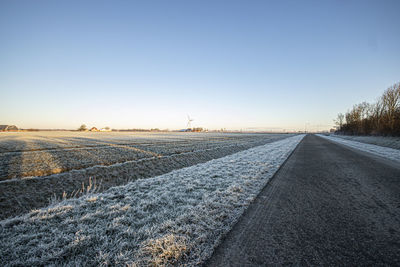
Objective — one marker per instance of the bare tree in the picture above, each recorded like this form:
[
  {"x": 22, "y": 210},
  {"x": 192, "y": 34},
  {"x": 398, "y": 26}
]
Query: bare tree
[
  {"x": 83, "y": 127},
  {"x": 391, "y": 103},
  {"x": 339, "y": 120},
  {"x": 381, "y": 117}
]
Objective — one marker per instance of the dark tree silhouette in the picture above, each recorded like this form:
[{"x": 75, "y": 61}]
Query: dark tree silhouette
[
  {"x": 379, "y": 118},
  {"x": 83, "y": 127}
]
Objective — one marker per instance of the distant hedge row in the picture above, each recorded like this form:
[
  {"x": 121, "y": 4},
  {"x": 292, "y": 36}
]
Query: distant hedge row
[{"x": 379, "y": 118}]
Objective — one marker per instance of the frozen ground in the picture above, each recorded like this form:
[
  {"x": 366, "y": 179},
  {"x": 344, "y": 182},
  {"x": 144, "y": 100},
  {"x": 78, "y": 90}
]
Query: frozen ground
[
  {"x": 386, "y": 141},
  {"x": 386, "y": 152},
  {"x": 175, "y": 218},
  {"x": 24, "y": 154},
  {"x": 64, "y": 163}
]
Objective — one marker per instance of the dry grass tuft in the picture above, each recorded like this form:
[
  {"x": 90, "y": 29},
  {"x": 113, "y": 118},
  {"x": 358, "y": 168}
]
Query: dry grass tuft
[
  {"x": 92, "y": 199},
  {"x": 166, "y": 250},
  {"x": 91, "y": 188}
]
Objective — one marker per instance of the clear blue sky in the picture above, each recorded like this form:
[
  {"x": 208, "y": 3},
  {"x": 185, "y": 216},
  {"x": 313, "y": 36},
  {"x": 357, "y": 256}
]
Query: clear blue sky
[{"x": 231, "y": 64}]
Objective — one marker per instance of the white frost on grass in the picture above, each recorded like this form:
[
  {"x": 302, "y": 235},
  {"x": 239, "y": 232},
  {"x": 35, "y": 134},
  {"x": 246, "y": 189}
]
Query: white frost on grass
[
  {"x": 176, "y": 218},
  {"x": 386, "y": 152},
  {"x": 386, "y": 141}
]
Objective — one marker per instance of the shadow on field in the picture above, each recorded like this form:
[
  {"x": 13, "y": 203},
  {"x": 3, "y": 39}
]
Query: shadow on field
[
  {"x": 11, "y": 163},
  {"x": 11, "y": 201}
]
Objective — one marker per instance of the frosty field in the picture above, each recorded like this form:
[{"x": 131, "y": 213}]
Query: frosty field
[
  {"x": 385, "y": 141},
  {"x": 387, "y": 148},
  {"x": 36, "y": 167},
  {"x": 174, "y": 218}
]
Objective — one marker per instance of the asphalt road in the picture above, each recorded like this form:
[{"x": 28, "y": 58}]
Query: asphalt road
[{"x": 327, "y": 205}]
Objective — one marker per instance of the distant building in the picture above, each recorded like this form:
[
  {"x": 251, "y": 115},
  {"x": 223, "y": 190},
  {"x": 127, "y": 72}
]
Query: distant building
[
  {"x": 4, "y": 128},
  {"x": 105, "y": 130},
  {"x": 94, "y": 129}
]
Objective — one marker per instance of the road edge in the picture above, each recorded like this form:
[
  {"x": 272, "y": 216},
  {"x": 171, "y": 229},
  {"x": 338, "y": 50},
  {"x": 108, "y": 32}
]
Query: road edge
[{"x": 223, "y": 238}]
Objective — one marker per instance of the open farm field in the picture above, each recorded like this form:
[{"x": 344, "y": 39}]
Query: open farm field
[
  {"x": 36, "y": 167},
  {"x": 174, "y": 219}
]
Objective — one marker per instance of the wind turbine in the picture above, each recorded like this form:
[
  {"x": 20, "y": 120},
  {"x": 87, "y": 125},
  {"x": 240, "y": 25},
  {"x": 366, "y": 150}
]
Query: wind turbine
[{"x": 189, "y": 123}]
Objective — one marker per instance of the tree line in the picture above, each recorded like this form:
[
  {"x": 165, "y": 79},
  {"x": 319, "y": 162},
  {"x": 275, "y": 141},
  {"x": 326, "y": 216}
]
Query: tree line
[{"x": 379, "y": 118}]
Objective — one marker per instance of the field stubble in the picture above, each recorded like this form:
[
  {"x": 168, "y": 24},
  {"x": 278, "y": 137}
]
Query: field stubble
[{"x": 38, "y": 167}]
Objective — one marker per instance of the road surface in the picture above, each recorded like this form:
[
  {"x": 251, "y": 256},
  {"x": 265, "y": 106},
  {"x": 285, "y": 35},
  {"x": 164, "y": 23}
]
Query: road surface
[{"x": 327, "y": 205}]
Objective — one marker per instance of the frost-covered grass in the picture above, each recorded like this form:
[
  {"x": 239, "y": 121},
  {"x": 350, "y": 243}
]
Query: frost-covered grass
[
  {"x": 386, "y": 141},
  {"x": 25, "y": 154},
  {"x": 386, "y": 152},
  {"x": 52, "y": 165},
  {"x": 176, "y": 218}
]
